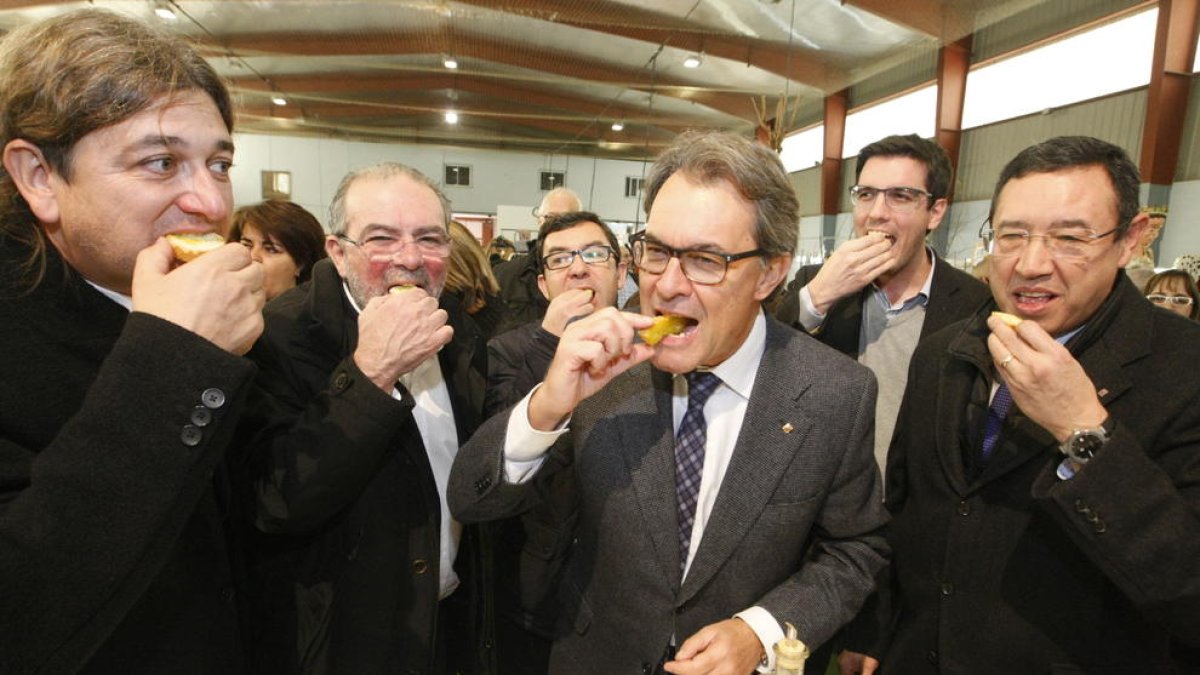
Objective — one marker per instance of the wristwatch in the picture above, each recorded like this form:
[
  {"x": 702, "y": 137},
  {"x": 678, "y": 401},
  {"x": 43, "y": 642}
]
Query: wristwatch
[{"x": 1083, "y": 444}]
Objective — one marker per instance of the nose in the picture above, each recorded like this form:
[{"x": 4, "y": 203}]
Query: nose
[
  {"x": 206, "y": 196},
  {"x": 408, "y": 255},
  {"x": 578, "y": 266},
  {"x": 1034, "y": 260},
  {"x": 256, "y": 253},
  {"x": 879, "y": 209}
]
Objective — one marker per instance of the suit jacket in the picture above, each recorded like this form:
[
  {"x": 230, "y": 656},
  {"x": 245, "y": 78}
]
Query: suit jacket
[
  {"x": 953, "y": 295},
  {"x": 1006, "y": 569},
  {"x": 796, "y": 528},
  {"x": 114, "y": 549},
  {"x": 517, "y": 361},
  {"x": 346, "y": 495}
]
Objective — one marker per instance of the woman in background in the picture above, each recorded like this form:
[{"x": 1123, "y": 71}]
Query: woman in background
[
  {"x": 469, "y": 278},
  {"x": 1174, "y": 290},
  {"x": 282, "y": 236}
]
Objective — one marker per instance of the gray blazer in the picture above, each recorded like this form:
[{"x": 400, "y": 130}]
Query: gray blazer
[{"x": 796, "y": 529}]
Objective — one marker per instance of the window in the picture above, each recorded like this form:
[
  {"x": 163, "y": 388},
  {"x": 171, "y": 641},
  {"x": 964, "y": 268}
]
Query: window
[
  {"x": 458, "y": 174},
  {"x": 912, "y": 113},
  {"x": 276, "y": 184},
  {"x": 634, "y": 186},
  {"x": 552, "y": 179}
]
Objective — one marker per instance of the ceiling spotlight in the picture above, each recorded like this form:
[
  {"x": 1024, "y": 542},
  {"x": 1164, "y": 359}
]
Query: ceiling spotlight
[
  {"x": 164, "y": 11},
  {"x": 451, "y": 117},
  {"x": 617, "y": 126},
  {"x": 278, "y": 100},
  {"x": 693, "y": 61},
  {"x": 450, "y": 63}
]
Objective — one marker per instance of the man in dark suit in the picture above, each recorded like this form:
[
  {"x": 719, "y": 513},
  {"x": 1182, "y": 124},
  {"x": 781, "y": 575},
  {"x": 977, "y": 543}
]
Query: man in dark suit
[
  {"x": 371, "y": 391},
  {"x": 120, "y": 371},
  {"x": 773, "y": 513},
  {"x": 1046, "y": 519},
  {"x": 884, "y": 290}
]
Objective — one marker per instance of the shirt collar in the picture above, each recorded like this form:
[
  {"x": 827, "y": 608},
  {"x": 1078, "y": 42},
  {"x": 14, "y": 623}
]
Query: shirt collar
[
  {"x": 739, "y": 370},
  {"x": 921, "y": 297},
  {"x": 119, "y": 298}
]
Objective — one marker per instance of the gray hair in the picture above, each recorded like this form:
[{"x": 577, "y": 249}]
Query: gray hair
[
  {"x": 754, "y": 169},
  {"x": 380, "y": 171}
]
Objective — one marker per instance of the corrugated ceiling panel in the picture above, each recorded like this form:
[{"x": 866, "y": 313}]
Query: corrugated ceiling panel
[
  {"x": 1117, "y": 119},
  {"x": 1189, "y": 145},
  {"x": 920, "y": 69},
  {"x": 1040, "y": 22}
]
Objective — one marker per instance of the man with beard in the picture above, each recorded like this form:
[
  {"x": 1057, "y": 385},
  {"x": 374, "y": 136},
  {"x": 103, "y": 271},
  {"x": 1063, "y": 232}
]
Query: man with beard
[{"x": 370, "y": 392}]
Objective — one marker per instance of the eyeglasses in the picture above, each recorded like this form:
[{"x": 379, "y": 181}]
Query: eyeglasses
[
  {"x": 1073, "y": 245},
  {"x": 1159, "y": 299},
  {"x": 429, "y": 244},
  {"x": 902, "y": 199},
  {"x": 592, "y": 255},
  {"x": 699, "y": 266}
]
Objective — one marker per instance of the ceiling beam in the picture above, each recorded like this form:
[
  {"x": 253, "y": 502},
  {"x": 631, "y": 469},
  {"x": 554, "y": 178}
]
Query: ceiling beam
[{"x": 946, "y": 20}]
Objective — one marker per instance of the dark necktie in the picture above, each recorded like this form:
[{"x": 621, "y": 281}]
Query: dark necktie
[
  {"x": 1001, "y": 403},
  {"x": 689, "y": 456}
]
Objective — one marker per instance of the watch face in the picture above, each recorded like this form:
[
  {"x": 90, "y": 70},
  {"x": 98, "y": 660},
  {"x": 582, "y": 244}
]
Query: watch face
[{"x": 1084, "y": 445}]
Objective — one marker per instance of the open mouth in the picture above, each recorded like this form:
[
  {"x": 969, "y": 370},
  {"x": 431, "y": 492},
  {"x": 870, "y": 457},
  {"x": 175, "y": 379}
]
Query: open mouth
[
  {"x": 890, "y": 237},
  {"x": 1030, "y": 303},
  {"x": 668, "y": 328},
  {"x": 400, "y": 288}
]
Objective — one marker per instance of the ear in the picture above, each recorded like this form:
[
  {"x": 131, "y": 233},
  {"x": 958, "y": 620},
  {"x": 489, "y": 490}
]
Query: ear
[
  {"x": 1131, "y": 243},
  {"x": 774, "y": 272},
  {"x": 333, "y": 248},
  {"x": 542, "y": 286},
  {"x": 33, "y": 178},
  {"x": 936, "y": 213},
  {"x": 621, "y": 269}
]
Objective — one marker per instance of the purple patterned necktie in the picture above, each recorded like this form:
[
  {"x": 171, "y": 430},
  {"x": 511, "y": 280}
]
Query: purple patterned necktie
[
  {"x": 1001, "y": 403},
  {"x": 689, "y": 456}
]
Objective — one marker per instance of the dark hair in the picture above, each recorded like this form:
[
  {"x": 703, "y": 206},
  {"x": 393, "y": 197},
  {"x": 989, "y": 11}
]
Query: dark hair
[
  {"x": 937, "y": 163},
  {"x": 287, "y": 224},
  {"x": 1189, "y": 285},
  {"x": 68, "y": 76},
  {"x": 754, "y": 169},
  {"x": 1070, "y": 152},
  {"x": 564, "y": 221}
]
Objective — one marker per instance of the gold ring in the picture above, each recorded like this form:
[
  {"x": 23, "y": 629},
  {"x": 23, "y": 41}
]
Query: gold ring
[{"x": 1006, "y": 360}]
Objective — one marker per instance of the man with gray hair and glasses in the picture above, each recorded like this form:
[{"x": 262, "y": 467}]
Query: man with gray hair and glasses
[
  {"x": 1043, "y": 476},
  {"x": 369, "y": 394},
  {"x": 723, "y": 475}
]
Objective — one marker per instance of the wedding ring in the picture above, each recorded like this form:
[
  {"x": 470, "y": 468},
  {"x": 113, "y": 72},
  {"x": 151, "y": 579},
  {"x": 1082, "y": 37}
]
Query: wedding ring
[{"x": 1005, "y": 361}]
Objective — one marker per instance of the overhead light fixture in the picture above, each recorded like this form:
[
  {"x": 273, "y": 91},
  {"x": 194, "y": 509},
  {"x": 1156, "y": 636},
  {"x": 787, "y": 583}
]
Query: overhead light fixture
[
  {"x": 278, "y": 100},
  {"x": 618, "y": 126},
  {"x": 451, "y": 117},
  {"x": 693, "y": 61},
  {"x": 450, "y": 63},
  {"x": 164, "y": 11}
]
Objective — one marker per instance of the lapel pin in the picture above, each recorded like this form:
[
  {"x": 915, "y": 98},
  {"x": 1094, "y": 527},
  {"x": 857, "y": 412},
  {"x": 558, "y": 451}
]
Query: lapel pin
[
  {"x": 787, "y": 427},
  {"x": 1102, "y": 393}
]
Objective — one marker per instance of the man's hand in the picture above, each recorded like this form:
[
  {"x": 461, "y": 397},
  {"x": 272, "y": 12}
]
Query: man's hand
[
  {"x": 569, "y": 304},
  {"x": 592, "y": 352},
  {"x": 218, "y": 296},
  {"x": 1046, "y": 382},
  {"x": 852, "y": 266},
  {"x": 396, "y": 333},
  {"x": 728, "y": 647},
  {"x": 853, "y": 663}
]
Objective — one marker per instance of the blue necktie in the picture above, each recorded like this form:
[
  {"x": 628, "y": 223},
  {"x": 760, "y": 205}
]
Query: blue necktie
[
  {"x": 1001, "y": 403},
  {"x": 689, "y": 456}
]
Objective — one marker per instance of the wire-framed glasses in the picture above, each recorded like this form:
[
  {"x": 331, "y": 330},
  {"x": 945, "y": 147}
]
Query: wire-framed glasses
[
  {"x": 903, "y": 199},
  {"x": 1067, "y": 244},
  {"x": 432, "y": 244}
]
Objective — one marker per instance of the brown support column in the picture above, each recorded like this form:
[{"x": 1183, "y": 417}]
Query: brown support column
[
  {"x": 954, "y": 60},
  {"x": 1167, "y": 98},
  {"x": 831, "y": 167}
]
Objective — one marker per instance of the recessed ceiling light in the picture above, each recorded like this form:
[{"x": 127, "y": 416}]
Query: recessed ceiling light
[
  {"x": 163, "y": 11},
  {"x": 693, "y": 61},
  {"x": 617, "y": 126},
  {"x": 450, "y": 63},
  {"x": 278, "y": 100},
  {"x": 451, "y": 117}
]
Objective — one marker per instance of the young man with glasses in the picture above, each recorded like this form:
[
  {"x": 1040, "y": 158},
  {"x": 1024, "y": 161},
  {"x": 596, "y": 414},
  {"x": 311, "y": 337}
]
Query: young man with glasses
[
  {"x": 1042, "y": 477},
  {"x": 368, "y": 394},
  {"x": 723, "y": 476},
  {"x": 579, "y": 272},
  {"x": 884, "y": 290}
]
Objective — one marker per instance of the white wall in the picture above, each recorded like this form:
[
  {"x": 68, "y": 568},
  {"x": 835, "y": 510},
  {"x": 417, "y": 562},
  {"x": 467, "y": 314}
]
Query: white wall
[
  {"x": 1182, "y": 232},
  {"x": 498, "y": 177}
]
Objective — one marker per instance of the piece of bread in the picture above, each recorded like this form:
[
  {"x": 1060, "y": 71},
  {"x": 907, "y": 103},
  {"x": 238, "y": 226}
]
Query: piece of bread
[
  {"x": 1007, "y": 318},
  {"x": 664, "y": 325},
  {"x": 188, "y": 247},
  {"x": 401, "y": 288}
]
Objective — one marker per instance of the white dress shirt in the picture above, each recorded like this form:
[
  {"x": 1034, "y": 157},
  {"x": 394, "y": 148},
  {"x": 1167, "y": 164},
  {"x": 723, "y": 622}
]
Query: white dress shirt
[{"x": 525, "y": 448}]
